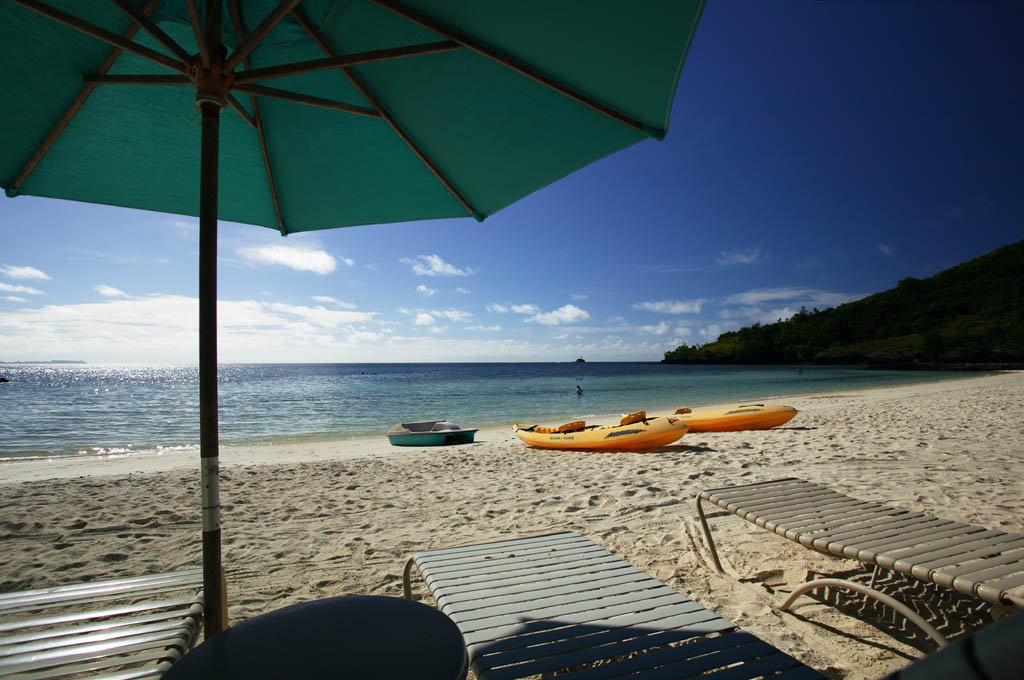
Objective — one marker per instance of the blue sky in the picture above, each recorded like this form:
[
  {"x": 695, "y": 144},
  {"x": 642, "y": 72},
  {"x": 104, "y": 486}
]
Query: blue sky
[{"x": 817, "y": 152}]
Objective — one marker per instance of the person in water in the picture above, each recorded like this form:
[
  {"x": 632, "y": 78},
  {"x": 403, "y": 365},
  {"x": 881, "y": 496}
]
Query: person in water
[{"x": 579, "y": 390}]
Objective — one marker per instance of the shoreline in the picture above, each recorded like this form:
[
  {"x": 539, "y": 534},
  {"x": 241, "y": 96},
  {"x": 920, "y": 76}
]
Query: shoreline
[
  {"x": 304, "y": 521},
  {"x": 288, "y": 444}
]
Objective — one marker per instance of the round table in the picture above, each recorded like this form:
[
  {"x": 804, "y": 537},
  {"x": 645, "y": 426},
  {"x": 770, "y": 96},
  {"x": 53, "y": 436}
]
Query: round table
[{"x": 355, "y": 636}]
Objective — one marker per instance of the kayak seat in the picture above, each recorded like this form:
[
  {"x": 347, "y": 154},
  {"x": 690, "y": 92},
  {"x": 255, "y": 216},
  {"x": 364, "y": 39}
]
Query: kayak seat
[
  {"x": 631, "y": 418},
  {"x": 574, "y": 426}
]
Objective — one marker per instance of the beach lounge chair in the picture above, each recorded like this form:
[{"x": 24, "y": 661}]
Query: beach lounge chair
[
  {"x": 116, "y": 629},
  {"x": 560, "y": 602},
  {"x": 968, "y": 559}
]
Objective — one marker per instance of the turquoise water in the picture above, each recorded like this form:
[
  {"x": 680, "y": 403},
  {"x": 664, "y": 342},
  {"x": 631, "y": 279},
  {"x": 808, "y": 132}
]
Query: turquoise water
[{"x": 58, "y": 410}]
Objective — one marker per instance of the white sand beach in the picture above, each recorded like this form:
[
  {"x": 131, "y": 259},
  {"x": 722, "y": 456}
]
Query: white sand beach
[{"x": 311, "y": 520}]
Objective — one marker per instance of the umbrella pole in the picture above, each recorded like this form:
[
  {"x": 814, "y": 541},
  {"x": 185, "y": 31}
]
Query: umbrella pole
[{"x": 215, "y": 613}]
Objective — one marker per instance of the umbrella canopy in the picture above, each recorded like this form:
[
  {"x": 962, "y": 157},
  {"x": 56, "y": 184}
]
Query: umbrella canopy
[{"x": 320, "y": 114}]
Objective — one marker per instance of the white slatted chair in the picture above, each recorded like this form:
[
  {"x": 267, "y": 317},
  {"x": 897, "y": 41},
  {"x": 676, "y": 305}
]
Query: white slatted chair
[
  {"x": 561, "y": 603},
  {"x": 119, "y": 629}
]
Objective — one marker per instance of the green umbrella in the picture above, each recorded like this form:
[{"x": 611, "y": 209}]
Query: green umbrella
[{"x": 335, "y": 113}]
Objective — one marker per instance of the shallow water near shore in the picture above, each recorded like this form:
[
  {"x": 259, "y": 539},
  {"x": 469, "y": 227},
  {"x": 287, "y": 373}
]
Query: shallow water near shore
[{"x": 108, "y": 409}]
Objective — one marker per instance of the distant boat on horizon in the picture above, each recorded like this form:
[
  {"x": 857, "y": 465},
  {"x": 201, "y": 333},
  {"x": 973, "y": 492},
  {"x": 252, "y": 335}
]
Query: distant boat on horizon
[{"x": 581, "y": 360}]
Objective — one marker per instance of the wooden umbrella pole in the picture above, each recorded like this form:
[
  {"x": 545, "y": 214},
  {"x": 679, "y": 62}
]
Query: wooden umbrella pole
[{"x": 215, "y": 611}]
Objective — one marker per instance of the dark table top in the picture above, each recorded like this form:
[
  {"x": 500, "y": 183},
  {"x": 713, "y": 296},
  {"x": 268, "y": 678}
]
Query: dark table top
[{"x": 355, "y": 636}]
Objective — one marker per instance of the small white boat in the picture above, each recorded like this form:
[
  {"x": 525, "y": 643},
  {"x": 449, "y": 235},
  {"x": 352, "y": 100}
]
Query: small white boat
[{"x": 430, "y": 433}]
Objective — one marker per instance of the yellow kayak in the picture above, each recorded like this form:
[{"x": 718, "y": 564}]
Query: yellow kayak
[
  {"x": 635, "y": 432},
  {"x": 735, "y": 418}
]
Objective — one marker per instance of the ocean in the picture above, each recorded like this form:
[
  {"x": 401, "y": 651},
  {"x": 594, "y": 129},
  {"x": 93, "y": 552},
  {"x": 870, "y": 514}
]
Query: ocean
[{"x": 51, "y": 410}]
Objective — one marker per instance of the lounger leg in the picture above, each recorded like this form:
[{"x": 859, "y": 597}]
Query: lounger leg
[
  {"x": 903, "y": 609},
  {"x": 407, "y": 578},
  {"x": 707, "y": 537},
  {"x": 874, "y": 576}
]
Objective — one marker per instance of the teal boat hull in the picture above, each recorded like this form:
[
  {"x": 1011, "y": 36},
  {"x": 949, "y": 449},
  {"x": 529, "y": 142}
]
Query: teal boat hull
[{"x": 432, "y": 438}]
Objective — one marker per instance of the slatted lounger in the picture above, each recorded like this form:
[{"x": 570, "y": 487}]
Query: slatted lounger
[
  {"x": 562, "y": 602},
  {"x": 117, "y": 629},
  {"x": 969, "y": 559}
]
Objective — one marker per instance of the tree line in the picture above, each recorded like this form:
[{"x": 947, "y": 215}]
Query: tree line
[{"x": 970, "y": 313}]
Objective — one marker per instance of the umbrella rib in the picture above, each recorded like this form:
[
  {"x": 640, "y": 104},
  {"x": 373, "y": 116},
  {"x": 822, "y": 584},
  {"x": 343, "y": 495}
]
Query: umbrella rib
[
  {"x": 133, "y": 79},
  {"x": 515, "y": 65},
  {"x": 297, "y": 98},
  {"x": 236, "y": 19},
  {"x": 214, "y": 16},
  {"x": 147, "y": 25},
  {"x": 240, "y": 110},
  {"x": 75, "y": 106},
  {"x": 368, "y": 94},
  {"x": 101, "y": 34},
  {"x": 337, "y": 60},
  {"x": 197, "y": 29},
  {"x": 258, "y": 34}
]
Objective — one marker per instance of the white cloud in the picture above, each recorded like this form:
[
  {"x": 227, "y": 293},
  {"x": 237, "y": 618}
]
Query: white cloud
[
  {"x": 683, "y": 331},
  {"x": 423, "y": 319},
  {"x": 809, "y": 296},
  {"x": 710, "y": 332},
  {"x": 525, "y": 309},
  {"x": 885, "y": 249},
  {"x": 496, "y": 308},
  {"x": 299, "y": 258},
  {"x": 23, "y": 273},
  {"x": 671, "y": 306},
  {"x": 562, "y": 315},
  {"x": 452, "y": 314},
  {"x": 660, "y": 329},
  {"x": 27, "y": 290},
  {"x": 464, "y": 291},
  {"x": 109, "y": 291},
  {"x": 14, "y": 298},
  {"x": 328, "y": 300},
  {"x": 433, "y": 265},
  {"x": 578, "y": 297},
  {"x": 424, "y": 291},
  {"x": 748, "y": 256},
  {"x": 495, "y": 328}
]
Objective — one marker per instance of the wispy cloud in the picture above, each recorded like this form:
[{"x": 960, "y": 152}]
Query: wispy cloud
[
  {"x": 811, "y": 296},
  {"x": 27, "y": 290},
  {"x": 578, "y": 297},
  {"x": 433, "y": 265},
  {"x": 563, "y": 315},
  {"x": 328, "y": 300},
  {"x": 492, "y": 328},
  {"x": 497, "y": 309},
  {"x": 748, "y": 256},
  {"x": 671, "y": 306},
  {"x": 23, "y": 273},
  {"x": 14, "y": 298},
  {"x": 164, "y": 328},
  {"x": 424, "y": 291},
  {"x": 300, "y": 258},
  {"x": 885, "y": 249},
  {"x": 462, "y": 291},
  {"x": 109, "y": 291},
  {"x": 525, "y": 309},
  {"x": 659, "y": 329}
]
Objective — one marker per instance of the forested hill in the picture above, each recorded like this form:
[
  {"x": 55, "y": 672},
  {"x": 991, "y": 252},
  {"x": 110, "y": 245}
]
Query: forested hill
[{"x": 971, "y": 313}]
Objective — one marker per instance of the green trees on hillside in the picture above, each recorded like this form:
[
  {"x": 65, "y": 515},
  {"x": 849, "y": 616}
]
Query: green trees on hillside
[{"x": 971, "y": 313}]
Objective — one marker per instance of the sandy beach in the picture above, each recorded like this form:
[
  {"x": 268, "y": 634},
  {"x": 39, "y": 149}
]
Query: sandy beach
[{"x": 311, "y": 520}]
